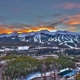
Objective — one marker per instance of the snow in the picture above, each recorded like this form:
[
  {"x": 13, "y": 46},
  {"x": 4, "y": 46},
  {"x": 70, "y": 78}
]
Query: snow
[
  {"x": 42, "y": 31},
  {"x": 37, "y": 38},
  {"x": 38, "y": 74},
  {"x": 23, "y": 47},
  {"x": 64, "y": 70}
]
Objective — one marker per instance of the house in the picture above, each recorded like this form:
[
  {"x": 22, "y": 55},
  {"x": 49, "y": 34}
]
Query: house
[{"x": 67, "y": 73}]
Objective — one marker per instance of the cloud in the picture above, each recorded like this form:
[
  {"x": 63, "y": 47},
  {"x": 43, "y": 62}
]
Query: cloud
[
  {"x": 70, "y": 5},
  {"x": 69, "y": 23},
  {"x": 56, "y": 15},
  {"x": 57, "y": 22},
  {"x": 19, "y": 27},
  {"x": 73, "y": 20},
  {"x": 72, "y": 28},
  {"x": 49, "y": 15}
]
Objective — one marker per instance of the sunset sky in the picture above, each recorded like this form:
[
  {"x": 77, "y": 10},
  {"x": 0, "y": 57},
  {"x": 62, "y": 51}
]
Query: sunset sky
[{"x": 35, "y": 15}]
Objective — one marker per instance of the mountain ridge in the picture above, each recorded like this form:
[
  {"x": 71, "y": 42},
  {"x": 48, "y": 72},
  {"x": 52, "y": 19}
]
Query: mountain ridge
[
  {"x": 42, "y": 31},
  {"x": 58, "y": 38}
]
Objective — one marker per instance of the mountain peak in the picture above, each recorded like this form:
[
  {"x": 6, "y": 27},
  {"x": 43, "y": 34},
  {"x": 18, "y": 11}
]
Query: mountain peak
[
  {"x": 13, "y": 33},
  {"x": 66, "y": 32},
  {"x": 43, "y": 31},
  {"x": 61, "y": 31}
]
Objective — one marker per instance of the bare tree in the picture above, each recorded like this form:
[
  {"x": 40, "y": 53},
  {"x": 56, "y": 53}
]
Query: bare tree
[
  {"x": 44, "y": 70},
  {"x": 52, "y": 68}
]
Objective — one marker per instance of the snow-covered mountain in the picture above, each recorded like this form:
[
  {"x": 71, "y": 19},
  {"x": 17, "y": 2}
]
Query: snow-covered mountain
[{"x": 59, "y": 38}]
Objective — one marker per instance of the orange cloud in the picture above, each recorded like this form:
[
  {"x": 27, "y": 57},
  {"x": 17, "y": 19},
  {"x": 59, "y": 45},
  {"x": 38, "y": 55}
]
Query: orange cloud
[
  {"x": 73, "y": 20},
  {"x": 70, "y": 5},
  {"x": 11, "y": 28},
  {"x": 37, "y": 28}
]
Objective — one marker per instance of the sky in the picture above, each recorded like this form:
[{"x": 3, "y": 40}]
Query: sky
[{"x": 35, "y": 15}]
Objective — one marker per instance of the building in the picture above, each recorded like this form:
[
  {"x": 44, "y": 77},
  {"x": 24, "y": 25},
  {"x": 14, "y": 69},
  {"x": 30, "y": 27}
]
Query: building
[{"x": 67, "y": 73}]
